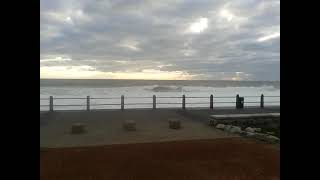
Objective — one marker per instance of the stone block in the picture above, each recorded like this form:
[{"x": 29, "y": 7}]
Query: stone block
[
  {"x": 78, "y": 128},
  {"x": 129, "y": 125},
  {"x": 174, "y": 124}
]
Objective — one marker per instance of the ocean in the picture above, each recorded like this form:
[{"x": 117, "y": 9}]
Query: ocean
[{"x": 166, "y": 91}]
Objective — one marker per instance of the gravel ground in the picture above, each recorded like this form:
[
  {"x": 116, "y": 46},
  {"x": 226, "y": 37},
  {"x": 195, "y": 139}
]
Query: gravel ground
[{"x": 223, "y": 158}]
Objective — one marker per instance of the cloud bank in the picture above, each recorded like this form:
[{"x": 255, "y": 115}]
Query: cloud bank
[{"x": 168, "y": 39}]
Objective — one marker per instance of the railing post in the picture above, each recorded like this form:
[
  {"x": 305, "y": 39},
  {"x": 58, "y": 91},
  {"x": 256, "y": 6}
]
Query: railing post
[
  {"x": 122, "y": 102},
  {"x": 237, "y": 101},
  {"x": 211, "y": 101},
  {"x": 154, "y": 102},
  {"x": 262, "y": 101},
  {"x": 51, "y": 104},
  {"x": 88, "y": 103},
  {"x": 183, "y": 102}
]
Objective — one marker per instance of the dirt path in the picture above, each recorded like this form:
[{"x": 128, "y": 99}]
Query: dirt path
[{"x": 227, "y": 158}]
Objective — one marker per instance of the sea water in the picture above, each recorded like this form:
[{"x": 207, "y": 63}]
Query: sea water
[{"x": 141, "y": 91}]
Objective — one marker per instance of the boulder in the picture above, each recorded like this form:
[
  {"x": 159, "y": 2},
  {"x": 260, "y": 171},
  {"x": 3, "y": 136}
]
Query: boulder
[
  {"x": 174, "y": 124},
  {"x": 270, "y": 133},
  {"x": 261, "y": 136},
  {"x": 250, "y": 129},
  {"x": 235, "y": 129},
  {"x": 272, "y": 139},
  {"x": 257, "y": 129},
  {"x": 227, "y": 127},
  {"x": 129, "y": 125},
  {"x": 78, "y": 128},
  {"x": 250, "y": 134},
  {"x": 243, "y": 133},
  {"x": 220, "y": 126}
]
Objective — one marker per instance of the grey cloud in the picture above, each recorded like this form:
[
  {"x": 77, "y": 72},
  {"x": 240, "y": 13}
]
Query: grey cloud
[{"x": 99, "y": 28}]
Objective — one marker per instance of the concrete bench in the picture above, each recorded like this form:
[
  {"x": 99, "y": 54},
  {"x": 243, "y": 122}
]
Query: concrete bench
[
  {"x": 129, "y": 125},
  {"x": 174, "y": 124},
  {"x": 230, "y": 118},
  {"x": 78, "y": 128}
]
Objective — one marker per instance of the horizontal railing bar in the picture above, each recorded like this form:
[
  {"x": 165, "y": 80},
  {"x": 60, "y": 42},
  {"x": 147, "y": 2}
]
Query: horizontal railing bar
[
  {"x": 199, "y": 103},
  {"x": 156, "y": 103},
  {"x": 224, "y": 97},
  {"x": 169, "y": 103},
  {"x": 168, "y": 97},
  {"x": 69, "y": 98},
  {"x": 105, "y": 98},
  {"x": 138, "y": 103},
  {"x": 137, "y": 97},
  {"x": 68, "y": 105},
  {"x": 251, "y": 96},
  {"x": 197, "y": 97},
  {"x": 223, "y": 102},
  {"x": 103, "y": 104},
  {"x": 151, "y": 97}
]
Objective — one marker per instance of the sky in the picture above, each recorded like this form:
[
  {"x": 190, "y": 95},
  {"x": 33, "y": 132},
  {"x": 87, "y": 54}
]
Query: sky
[{"x": 167, "y": 39}]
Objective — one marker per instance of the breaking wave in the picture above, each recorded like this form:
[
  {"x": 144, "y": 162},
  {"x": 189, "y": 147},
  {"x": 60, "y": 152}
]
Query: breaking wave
[{"x": 166, "y": 89}]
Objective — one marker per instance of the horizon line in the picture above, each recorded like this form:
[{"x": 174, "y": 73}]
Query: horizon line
[{"x": 166, "y": 79}]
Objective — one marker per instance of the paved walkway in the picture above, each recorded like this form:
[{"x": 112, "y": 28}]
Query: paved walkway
[{"x": 105, "y": 127}]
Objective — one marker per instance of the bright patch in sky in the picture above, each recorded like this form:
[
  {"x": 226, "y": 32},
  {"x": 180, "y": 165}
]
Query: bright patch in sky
[
  {"x": 69, "y": 20},
  {"x": 57, "y": 59},
  {"x": 72, "y": 72},
  {"x": 188, "y": 52},
  {"x": 161, "y": 66},
  {"x": 130, "y": 44},
  {"x": 88, "y": 72},
  {"x": 268, "y": 37},
  {"x": 200, "y": 25},
  {"x": 226, "y": 14}
]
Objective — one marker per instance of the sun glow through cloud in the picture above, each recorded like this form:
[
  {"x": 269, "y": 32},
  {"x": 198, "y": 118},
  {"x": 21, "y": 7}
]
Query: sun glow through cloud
[
  {"x": 199, "y": 26},
  {"x": 226, "y": 14},
  {"x": 88, "y": 72}
]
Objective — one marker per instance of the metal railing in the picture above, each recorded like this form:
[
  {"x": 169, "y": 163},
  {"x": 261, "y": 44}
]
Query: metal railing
[{"x": 239, "y": 101}]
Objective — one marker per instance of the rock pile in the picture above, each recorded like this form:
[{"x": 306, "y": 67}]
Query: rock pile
[{"x": 249, "y": 132}]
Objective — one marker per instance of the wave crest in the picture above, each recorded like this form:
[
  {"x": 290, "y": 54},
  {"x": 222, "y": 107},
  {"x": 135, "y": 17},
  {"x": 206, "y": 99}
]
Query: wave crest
[{"x": 166, "y": 89}]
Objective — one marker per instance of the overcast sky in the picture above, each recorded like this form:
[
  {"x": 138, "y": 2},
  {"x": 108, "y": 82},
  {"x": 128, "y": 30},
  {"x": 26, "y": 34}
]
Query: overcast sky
[{"x": 167, "y": 39}]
